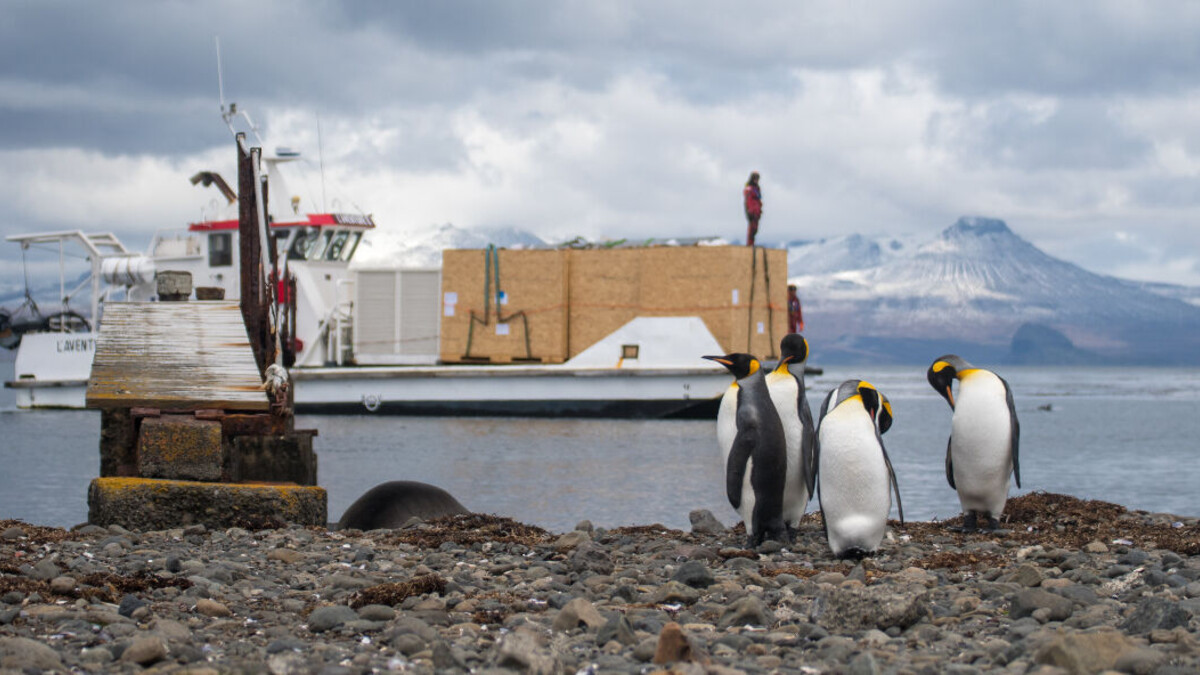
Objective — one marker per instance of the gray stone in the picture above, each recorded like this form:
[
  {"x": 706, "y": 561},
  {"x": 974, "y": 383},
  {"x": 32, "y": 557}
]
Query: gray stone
[
  {"x": 129, "y": 604},
  {"x": 590, "y": 557},
  {"x": 863, "y": 664},
  {"x": 673, "y": 591},
  {"x": 695, "y": 574},
  {"x": 523, "y": 650},
  {"x": 1156, "y": 613},
  {"x": 12, "y": 534},
  {"x": 62, "y": 585},
  {"x": 376, "y": 613},
  {"x": 747, "y": 611},
  {"x": 1028, "y": 601},
  {"x": 447, "y": 657},
  {"x": 145, "y": 651},
  {"x": 285, "y": 644},
  {"x": 1027, "y": 575},
  {"x": 1140, "y": 661},
  {"x": 578, "y": 613},
  {"x": 45, "y": 570},
  {"x": 617, "y": 628},
  {"x": 330, "y": 616},
  {"x": 1081, "y": 595},
  {"x": 882, "y": 607},
  {"x": 704, "y": 522},
  {"x": 18, "y": 653},
  {"x": 1089, "y": 652},
  {"x": 572, "y": 539},
  {"x": 407, "y": 643}
]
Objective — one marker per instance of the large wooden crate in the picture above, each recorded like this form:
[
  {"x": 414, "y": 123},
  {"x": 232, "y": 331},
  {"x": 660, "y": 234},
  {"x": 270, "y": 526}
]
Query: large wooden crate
[{"x": 559, "y": 302}]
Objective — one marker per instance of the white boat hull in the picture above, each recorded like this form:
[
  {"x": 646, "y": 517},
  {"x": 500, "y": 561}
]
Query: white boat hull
[
  {"x": 51, "y": 369},
  {"x": 510, "y": 391}
]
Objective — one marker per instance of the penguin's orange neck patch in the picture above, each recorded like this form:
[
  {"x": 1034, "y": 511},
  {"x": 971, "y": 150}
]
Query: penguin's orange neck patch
[
  {"x": 753, "y": 366},
  {"x": 968, "y": 372},
  {"x": 940, "y": 366}
]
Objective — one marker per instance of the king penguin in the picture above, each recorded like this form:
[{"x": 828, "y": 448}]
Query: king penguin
[
  {"x": 855, "y": 475},
  {"x": 984, "y": 438},
  {"x": 754, "y": 449},
  {"x": 786, "y": 384}
]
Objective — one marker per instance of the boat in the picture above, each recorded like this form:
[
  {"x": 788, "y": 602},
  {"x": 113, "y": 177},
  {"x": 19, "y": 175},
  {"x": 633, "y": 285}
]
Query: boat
[{"x": 370, "y": 340}]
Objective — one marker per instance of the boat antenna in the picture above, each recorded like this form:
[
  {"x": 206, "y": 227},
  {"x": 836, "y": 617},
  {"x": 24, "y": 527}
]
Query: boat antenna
[
  {"x": 321, "y": 161},
  {"x": 220, "y": 79}
]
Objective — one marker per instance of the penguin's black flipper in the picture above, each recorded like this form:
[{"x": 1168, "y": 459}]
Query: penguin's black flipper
[
  {"x": 735, "y": 468},
  {"x": 1016, "y": 431},
  {"x": 950, "y": 466},
  {"x": 808, "y": 443},
  {"x": 895, "y": 486}
]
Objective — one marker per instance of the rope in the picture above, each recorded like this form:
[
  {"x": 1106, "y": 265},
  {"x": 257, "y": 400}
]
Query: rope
[{"x": 491, "y": 267}]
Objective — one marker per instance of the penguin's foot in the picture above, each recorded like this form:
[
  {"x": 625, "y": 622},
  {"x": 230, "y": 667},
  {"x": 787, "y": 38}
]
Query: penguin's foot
[
  {"x": 853, "y": 553},
  {"x": 970, "y": 523},
  {"x": 993, "y": 527}
]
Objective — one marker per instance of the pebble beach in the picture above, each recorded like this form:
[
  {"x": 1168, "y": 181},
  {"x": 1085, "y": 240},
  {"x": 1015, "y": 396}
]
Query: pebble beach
[{"x": 1072, "y": 586}]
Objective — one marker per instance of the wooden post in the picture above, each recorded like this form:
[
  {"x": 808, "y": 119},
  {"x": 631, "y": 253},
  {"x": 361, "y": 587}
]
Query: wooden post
[{"x": 250, "y": 252}]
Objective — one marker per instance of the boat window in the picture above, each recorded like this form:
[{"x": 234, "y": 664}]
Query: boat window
[
  {"x": 352, "y": 247},
  {"x": 220, "y": 249},
  {"x": 317, "y": 245},
  {"x": 337, "y": 246},
  {"x": 299, "y": 247}
]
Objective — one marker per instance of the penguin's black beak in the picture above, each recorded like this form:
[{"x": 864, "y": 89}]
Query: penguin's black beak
[
  {"x": 719, "y": 359},
  {"x": 950, "y": 396}
]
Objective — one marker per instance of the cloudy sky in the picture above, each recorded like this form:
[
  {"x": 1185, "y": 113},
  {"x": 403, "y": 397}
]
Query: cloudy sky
[{"x": 1077, "y": 123}]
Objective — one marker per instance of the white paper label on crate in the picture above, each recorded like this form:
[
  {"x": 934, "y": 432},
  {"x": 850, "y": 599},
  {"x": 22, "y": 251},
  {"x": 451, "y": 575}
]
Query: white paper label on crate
[
  {"x": 501, "y": 329},
  {"x": 451, "y": 298},
  {"x": 760, "y": 328},
  {"x": 502, "y": 298},
  {"x": 735, "y": 296},
  {"x": 449, "y": 310}
]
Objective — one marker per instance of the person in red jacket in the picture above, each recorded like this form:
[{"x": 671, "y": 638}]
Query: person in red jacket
[
  {"x": 752, "y": 195},
  {"x": 795, "y": 315}
]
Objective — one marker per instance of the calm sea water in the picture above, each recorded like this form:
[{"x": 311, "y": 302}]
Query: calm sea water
[{"x": 1119, "y": 434}]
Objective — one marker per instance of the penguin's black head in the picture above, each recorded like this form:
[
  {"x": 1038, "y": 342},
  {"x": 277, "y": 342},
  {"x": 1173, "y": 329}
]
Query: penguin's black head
[
  {"x": 741, "y": 365},
  {"x": 870, "y": 398},
  {"x": 793, "y": 348},
  {"x": 885, "y": 413},
  {"x": 942, "y": 374}
]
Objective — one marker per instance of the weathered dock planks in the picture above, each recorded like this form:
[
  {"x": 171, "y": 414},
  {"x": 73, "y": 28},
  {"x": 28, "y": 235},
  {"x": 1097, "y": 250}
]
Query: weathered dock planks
[{"x": 174, "y": 355}]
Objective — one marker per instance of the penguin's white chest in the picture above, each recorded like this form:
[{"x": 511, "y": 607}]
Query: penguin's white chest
[
  {"x": 981, "y": 442},
  {"x": 785, "y": 394},
  {"x": 727, "y": 422},
  {"x": 854, "y": 482}
]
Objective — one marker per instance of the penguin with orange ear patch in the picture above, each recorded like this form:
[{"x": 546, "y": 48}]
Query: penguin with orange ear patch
[
  {"x": 754, "y": 449},
  {"x": 984, "y": 438}
]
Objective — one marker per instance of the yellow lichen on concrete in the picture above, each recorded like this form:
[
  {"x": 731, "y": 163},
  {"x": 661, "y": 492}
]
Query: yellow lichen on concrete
[{"x": 151, "y": 504}]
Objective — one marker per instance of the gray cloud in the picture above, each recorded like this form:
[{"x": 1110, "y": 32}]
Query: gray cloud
[{"x": 623, "y": 117}]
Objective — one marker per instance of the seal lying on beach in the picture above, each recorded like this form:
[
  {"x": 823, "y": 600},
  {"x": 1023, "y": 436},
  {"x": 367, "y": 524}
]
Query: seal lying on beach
[{"x": 390, "y": 505}]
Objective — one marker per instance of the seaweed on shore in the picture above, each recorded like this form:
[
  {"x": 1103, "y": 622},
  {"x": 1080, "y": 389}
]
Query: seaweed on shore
[
  {"x": 468, "y": 529},
  {"x": 639, "y": 530},
  {"x": 1062, "y": 521},
  {"x": 36, "y": 535},
  {"x": 103, "y": 586},
  {"x": 392, "y": 594},
  {"x": 957, "y": 560}
]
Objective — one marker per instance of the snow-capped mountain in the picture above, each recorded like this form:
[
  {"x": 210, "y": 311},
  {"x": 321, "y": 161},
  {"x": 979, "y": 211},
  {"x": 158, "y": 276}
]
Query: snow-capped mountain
[
  {"x": 969, "y": 290},
  {"x": 423, "y": 248}
]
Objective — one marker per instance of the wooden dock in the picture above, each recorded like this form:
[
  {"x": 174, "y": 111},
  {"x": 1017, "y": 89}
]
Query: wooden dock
[{"x": 175, "y": 356}]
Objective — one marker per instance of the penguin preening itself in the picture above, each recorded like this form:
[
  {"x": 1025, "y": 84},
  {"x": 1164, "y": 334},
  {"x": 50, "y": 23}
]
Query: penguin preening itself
[
  {"x": 786, "y": 384},
  {"x": 754, "y": 449},
  {"x": 984, "y": 438},
  {"x": 854, "y": 474}
]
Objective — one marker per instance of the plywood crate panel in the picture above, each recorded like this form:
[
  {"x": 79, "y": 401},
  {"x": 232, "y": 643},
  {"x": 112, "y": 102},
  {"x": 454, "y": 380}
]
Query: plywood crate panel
[{"x": 573, "y": 298}]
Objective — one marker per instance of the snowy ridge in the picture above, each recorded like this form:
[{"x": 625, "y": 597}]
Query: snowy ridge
[
  {"x": 972, "y": 287},
  {"x": 423, "y": 248}
]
